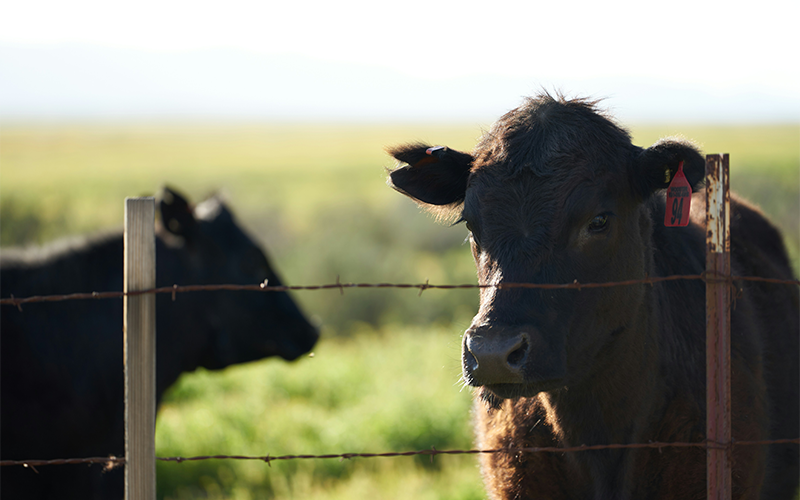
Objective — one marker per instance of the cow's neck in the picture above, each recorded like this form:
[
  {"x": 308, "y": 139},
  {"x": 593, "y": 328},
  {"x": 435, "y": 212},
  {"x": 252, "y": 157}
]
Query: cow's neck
[{"x": 611, "y": 404}]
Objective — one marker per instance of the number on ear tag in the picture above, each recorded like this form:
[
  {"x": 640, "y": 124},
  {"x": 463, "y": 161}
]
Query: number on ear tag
[{"x": 679, "y": 200}]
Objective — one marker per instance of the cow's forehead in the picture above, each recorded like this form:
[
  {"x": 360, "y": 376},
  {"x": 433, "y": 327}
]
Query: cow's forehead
[
  {"x": 554, "y": 159},
  {"x": 542, "y": 207},
  {"x": 547, "y": 136},
  {"x": 527, "y": 220},
  {"x": 493, "y": 193},
  {"x": 543, "y": 166}
]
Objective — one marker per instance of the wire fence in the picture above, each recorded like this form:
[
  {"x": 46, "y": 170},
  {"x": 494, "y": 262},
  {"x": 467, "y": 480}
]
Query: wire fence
[
  {"x": 112, "y": 461},
  {"x": 265, "y": 287}
]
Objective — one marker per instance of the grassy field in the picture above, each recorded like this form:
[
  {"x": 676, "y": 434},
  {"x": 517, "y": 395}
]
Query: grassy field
[
  {"x": 384, "y": 376},
  {"x": 72, "y": 179},
  {"x": 394, "y": 390}
]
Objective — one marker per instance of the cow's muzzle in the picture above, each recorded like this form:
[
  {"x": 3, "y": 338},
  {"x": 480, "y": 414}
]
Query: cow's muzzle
[
  {"x": 495, "y": 359},
  {"x": 516, "y": 359}
]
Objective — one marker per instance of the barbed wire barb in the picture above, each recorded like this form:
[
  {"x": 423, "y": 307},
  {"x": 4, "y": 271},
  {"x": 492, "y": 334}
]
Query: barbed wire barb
[
  {"x": 423, "y": 287},
  {"x": 16, "y": 303}
]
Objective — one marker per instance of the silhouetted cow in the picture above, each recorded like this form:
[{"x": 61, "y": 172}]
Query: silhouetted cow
[
  {"x": 556, "y": 192},
  {"x": 62, "y": 368}
]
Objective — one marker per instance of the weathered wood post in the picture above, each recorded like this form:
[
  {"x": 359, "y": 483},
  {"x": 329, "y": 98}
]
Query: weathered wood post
[
  {"x": 139, "y": 330},
  {"x": 718, "y": 333}
]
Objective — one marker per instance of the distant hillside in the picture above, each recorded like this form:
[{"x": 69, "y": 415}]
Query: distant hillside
[{"x": 84, "y": 81}]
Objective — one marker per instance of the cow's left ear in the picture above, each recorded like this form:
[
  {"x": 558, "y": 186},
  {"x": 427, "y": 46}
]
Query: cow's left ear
[
  {"x": 177, "y": 215},
  {"x": 655, "y": 166}
]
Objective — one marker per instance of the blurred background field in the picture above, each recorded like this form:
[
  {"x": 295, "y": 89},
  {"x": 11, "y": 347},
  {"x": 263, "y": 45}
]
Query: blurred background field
[{"x": 385, "y": 374}]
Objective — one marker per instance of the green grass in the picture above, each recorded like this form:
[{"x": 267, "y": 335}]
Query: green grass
[
  {"x": 770, "y": 149},
  {"x": 392, "y": 390},
  {"x": 297, "y": 168},
  {"x": 73, "y": 178}
]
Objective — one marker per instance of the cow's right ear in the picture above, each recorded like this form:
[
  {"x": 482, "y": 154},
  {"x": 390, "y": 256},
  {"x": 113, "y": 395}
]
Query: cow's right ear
[
  {"x": 431, "y": 175},
  {"x": 177, "y": 215},
  {"x": 656, "y": 166}
]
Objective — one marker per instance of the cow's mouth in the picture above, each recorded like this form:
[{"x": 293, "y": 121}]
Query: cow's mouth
[{"x": 494, "y": 394}]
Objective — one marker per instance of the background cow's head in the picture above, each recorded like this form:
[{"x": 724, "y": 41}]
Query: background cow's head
[
  {"x": 553, "y": 193},
  {"x": 227, "y": 327}
]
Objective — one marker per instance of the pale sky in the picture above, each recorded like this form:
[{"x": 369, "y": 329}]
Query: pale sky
[{"x": 719, "y": 46}]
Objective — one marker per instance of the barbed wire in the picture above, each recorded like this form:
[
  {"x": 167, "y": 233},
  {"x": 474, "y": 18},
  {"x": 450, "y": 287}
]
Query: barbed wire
[
  {"x": 112, "y": 461},
  {"x": 265, "y": 287}
]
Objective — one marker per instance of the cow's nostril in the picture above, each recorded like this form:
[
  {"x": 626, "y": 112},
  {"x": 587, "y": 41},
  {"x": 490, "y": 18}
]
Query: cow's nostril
[
  {"x": 517, "y": 356},
  {"x": 469, "y": 360}
]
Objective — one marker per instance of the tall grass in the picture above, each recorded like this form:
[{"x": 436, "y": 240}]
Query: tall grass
[{"x": 392, "y": 390}]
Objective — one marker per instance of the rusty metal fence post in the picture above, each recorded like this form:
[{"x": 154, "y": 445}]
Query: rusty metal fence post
[
  {"x": 718, "y": 335},
  {"x": 139, "y": 330}
]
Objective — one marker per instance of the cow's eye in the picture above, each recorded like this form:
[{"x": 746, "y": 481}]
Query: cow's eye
[
  {"x": 473, "y": 239},
  {"x": 599, "y": 224},
  {"x": 472, "y": 232},
  {"x": 476, "y": 248}
]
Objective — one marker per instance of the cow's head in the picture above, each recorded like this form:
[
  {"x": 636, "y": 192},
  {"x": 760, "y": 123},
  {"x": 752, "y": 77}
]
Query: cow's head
[
  {"x": 210, "y": 247},
  {"x": 555, "y": 192}
]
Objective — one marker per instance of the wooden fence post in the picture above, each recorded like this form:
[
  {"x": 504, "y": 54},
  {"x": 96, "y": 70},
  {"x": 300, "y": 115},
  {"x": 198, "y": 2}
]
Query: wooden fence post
[
  {"x": 139, "y": 327},
  {"x": 718, "y": 334}
]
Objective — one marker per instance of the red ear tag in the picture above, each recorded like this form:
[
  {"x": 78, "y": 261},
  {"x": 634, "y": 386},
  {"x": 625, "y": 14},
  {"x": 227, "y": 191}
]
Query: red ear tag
[
  {"x": 679, "y": 200},
  {"x": 434, "y": 149}
]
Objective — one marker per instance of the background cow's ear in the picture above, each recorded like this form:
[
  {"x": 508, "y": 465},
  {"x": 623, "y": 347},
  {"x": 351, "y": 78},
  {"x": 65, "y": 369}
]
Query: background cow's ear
[
  {"x": 656, "y": 165},
  {"x": 431, "y": 175},
  {"x": 177, "y": 216}
]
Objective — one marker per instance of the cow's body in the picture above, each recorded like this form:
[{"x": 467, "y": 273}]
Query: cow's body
[
  {"x": 62, "y": 362},
  {"x": 556, "y": 193}
]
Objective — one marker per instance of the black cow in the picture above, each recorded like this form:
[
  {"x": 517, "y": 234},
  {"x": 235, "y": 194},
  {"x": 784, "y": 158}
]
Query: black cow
[
  {"x": 555, "y": 192},
  {"x": 62, "y": 369}
]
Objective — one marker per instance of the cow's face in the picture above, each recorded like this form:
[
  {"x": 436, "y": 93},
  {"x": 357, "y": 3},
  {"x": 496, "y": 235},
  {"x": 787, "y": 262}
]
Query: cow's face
[
  {"x": 530, "y": 229},
  {"x": 553, "y": 194}
]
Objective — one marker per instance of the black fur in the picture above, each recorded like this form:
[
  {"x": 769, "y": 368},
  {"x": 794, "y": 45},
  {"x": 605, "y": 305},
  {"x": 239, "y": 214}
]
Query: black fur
[{"x": 436, "y": 179}]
